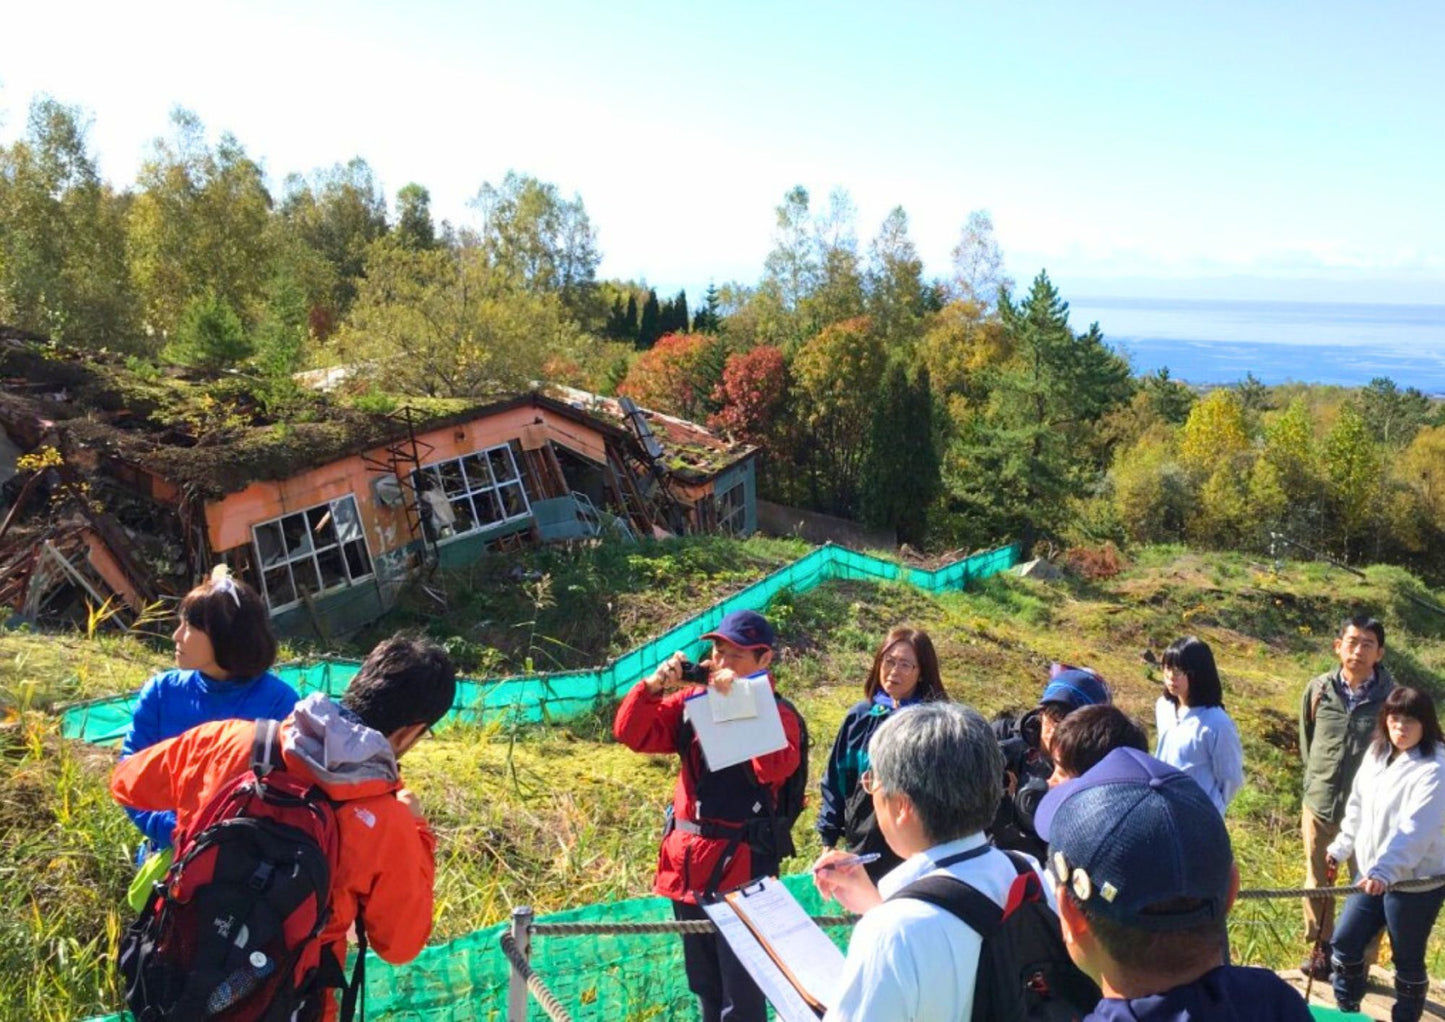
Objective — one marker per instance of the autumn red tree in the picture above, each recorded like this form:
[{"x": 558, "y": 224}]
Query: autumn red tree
[{"x": 678, "y": 375}]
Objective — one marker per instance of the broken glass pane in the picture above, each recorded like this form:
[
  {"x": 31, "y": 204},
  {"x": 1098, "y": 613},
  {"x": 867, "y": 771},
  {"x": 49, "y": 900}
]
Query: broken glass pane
[
  {"x": 513, "y": 500},
  {"x": 269, "y": 547},
  {"x": 323, "y": 527},
  {"x": 357, "y": 560},
  {"x": 478, "y": 478},
  {"x": 298, "y": 537},
  {"x": 279, "y": 589},
  {"x": 502, "y": 467},
  {"x": 333, "y": 568},
  {"x": 488, "y": 511},
  {"x": 466, "y": 518},
  {"x": 452, "y": 480},
  {"x": 304, "y": 574},
  {"x": 348, "y": 523}
]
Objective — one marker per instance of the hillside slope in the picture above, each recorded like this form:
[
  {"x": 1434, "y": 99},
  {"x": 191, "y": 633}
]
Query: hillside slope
[{"x": 564, "y": 816}]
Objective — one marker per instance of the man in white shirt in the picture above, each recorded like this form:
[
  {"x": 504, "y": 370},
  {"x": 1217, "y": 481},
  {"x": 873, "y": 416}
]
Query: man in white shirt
[{"x": 936, "y": 779}]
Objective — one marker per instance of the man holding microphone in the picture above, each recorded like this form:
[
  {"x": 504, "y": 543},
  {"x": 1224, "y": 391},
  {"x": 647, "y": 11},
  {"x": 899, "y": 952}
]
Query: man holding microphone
[{"x": 721, "y": 828}]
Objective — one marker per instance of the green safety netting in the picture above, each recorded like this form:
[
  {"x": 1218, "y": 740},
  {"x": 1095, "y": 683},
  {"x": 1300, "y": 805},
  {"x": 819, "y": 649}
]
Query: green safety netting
[
  {"x": 597, "y": 976},
  {"x": 615, "y": 977},
  {"x": 550, "y": 697}
]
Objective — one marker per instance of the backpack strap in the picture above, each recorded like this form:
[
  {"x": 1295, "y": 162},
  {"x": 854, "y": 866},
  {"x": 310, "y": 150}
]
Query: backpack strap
[
  {"x": 357, "y": 987},
  {"x": 978, "y": 911},
  {"x": 266, "y": 748}
]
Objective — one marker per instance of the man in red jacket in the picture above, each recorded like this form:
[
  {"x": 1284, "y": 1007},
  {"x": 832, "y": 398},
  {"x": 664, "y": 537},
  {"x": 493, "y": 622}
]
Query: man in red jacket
[
  {"x": 721, "y": 830},
  {"x": 386, "y": 859}
]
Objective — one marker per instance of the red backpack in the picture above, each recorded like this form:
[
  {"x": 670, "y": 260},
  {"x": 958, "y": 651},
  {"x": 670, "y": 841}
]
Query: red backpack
[{"x": 232, "y": 931}]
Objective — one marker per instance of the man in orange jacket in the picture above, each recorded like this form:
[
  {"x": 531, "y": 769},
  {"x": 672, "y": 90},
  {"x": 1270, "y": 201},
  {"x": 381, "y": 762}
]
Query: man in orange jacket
[
  {"x": 350, "y": 749},
  {"x": 719, "y": 834}
]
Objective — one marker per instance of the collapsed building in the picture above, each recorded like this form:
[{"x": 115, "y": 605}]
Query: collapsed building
[{"x": 122, "y": 484}]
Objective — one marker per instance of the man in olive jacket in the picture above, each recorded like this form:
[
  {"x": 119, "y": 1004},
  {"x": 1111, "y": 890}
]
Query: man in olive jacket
[{"x": 1337, "y": 720}]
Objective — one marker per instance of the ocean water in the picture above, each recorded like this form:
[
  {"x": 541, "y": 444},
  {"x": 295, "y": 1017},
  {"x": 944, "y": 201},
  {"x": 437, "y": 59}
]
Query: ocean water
[{"x": 1211, "y": 342}]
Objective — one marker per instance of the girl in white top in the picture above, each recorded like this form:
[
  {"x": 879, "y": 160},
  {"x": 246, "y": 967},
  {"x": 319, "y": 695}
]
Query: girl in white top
[
  {"x": 1394, "y": 826},
  {"x": 1195, "y": 734}
]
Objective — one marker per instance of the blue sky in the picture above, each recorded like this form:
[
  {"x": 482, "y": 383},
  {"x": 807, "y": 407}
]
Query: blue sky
[{"x": 1284, "y": 150}]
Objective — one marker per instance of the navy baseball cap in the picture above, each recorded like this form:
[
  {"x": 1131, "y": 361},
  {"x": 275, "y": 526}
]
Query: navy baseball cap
[
  {"x": 745, "y": 628},
  {"x": 1134, "y": 833},
  {"x": 1074, "y": 687}
]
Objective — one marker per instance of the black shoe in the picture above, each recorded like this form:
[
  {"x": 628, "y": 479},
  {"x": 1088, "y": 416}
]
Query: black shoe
[{"x": 1317, "y": 965}]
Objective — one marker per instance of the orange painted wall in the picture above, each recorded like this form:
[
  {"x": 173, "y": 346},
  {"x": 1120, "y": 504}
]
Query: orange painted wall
[{"x": 229, "y": 520}]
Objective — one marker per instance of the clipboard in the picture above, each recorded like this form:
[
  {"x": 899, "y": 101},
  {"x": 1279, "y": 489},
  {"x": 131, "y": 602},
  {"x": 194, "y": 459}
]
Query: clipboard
[
  {"x": 728, "y": 742},
  {"x": 792, "y": 960}
]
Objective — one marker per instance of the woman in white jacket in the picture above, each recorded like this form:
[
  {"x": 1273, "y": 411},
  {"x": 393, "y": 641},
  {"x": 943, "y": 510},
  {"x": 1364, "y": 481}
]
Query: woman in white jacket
[{"x": 1394, "y": 825}]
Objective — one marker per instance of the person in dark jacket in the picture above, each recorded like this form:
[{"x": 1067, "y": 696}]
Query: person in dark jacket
[
  {"x": 1337, "y": 723},
  {"x": 904, "y": 672},
  {"x": 1145, "y": 879},
  {"x": 719, "y": 833}
]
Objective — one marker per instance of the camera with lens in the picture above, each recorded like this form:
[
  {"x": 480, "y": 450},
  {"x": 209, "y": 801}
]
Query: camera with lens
[
  {"x": 1026, "y": 781},
  {"x": 695, "y": 674}
]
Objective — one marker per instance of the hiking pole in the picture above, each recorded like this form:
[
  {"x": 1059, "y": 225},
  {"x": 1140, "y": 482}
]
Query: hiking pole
[{"x": 1327, "y": 917}]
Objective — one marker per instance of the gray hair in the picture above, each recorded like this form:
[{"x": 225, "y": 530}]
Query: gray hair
[{"x": 945, "y": 758}]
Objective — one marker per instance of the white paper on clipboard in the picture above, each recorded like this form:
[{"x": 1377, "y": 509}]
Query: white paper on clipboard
[
  {"x": 728, "y": 742},
  {"x": 787, "y": 1003}
]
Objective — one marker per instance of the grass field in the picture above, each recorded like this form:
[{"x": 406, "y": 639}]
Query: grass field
[{"x": 564, "y": 816}]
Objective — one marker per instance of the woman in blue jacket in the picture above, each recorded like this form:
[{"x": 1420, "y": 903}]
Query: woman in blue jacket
[
  {"x": 904, "y": 672},
  {"x": 224, "y": 653}
]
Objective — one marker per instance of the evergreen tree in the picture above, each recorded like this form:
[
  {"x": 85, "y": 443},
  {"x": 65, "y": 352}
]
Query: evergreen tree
[
  {"x": 649, "y": 329},
  {"x": 1028, "y": 455},
  {"x": 617, "y": 328},
  {"x": 901, "y": 472},
  {"x": 707, "y": 320}
]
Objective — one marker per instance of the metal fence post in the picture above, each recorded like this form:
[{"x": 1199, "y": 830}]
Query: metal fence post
[{"x": 516, "y": 982}]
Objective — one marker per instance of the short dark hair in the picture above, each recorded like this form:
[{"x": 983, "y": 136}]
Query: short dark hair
[
  {"x": 1092, "y": 732},
  {"x": 1404, "y": 701},
  {"x": 236, "y": 621},
  {"x": 1364, "y": 623},
  {"x": 944, "y": 757},
  {"x": 930, "y": 682},
  {"x": 404, "y": 680},
  {"x": 1162, "y": 953},
  {"x": 1193, "y": 658}
]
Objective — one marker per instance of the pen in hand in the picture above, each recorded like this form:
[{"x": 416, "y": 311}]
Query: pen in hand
[{"x": 852, "y": 860}]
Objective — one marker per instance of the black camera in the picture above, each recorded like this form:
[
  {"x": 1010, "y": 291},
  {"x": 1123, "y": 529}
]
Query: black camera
[
  {"x": 695, "y": 674},
  {"x": 1026, "y": 781}
]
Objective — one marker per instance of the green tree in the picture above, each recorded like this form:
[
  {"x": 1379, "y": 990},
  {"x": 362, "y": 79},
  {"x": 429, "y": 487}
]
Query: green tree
[
  {"x": 444, "y": 323},
  {"x": 62, "y": 237},
  {"x": 1214, "y": 432},
  {"x": 338, "y": 213},
  {"x": 837, "y": 374},
  {"x": 538, "y": 240},
  {"x": 1029, "y": 454},
  {"x": 837, "y": 287},
  {"x": 210, "y": 335},
  {"x": 1168, "y": 398},
  {"x": 707, "y": 320},
  {"x": 1392, "y": 415},
  {"x": 901, "y": 473},
  {"x": 1354, "y": 472},
  {"x": 414, "y": 228},
  {"x": 198, "y": 225},
  {"x": 1289, "y": 463},
  {"x": 895, "y": 282},
  {"x": 649, "y": 327}
]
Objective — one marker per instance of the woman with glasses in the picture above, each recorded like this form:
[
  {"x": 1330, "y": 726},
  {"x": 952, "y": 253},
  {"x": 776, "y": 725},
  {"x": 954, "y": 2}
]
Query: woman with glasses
[{"x": 905, "y": 671}]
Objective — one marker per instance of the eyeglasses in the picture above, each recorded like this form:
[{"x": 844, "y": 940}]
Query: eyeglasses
[
  {"x": 869, "y": 782},
  {"x": 894, "y": 664}
]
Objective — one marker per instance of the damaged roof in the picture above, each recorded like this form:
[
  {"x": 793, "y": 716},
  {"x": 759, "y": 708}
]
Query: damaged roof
[{"x": 210, "y": 433}]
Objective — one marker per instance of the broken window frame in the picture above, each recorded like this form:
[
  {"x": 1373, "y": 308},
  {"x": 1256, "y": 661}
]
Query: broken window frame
[
  {"x": 348, "y": 560},
  {"x": 732, "y": 509},
  {"x": 479, "y": 505}
]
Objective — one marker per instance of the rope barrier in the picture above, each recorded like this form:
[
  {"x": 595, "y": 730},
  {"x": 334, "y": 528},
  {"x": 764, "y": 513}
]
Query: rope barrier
[
  {"x": 1401, "y": 886},
  {"x": 539, "y": 991},
  {"x": 680, "y": 926}
]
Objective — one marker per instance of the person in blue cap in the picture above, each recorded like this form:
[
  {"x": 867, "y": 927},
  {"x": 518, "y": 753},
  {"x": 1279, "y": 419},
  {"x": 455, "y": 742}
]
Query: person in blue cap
[
  {"x": 1026, "y": 742},
  {"x": 1145, "y": 878},
  {"x": 721, "y": 830}
]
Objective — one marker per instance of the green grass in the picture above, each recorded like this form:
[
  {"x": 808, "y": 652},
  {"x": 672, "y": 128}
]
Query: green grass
[{"x": 563, "y": 816}]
